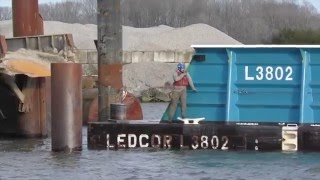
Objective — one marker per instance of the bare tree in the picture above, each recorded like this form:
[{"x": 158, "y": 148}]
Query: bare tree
[
  {"x": 5, "y": 13},
  {"x": 249, "y": 21},
  {"x": 88, "y": 11},
  {"x": 66, "y": 11}
]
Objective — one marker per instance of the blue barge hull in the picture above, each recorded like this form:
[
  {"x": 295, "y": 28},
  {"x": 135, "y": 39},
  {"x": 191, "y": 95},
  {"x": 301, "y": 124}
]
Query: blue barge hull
[{"x": 250, "y": 97}]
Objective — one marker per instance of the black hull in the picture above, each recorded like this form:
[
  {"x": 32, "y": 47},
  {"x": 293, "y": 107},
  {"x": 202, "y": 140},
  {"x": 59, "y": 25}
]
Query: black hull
[
  {"x": 203, "y": 136},
  {"x": 309, "y": 138}
]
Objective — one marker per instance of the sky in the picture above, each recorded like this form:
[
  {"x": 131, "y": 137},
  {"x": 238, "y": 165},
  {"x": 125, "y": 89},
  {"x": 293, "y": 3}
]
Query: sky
[
  {"x": 8, "y": 2},
  {"x": 316, "y": 3}
]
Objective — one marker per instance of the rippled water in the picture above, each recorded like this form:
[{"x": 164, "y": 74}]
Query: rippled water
[{"x": 33, "y": 159}]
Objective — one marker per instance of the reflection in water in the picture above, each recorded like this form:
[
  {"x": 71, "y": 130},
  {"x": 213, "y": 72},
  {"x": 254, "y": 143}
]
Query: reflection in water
[
  {"x": 33, "y": 159},
  {"x": 21, "y": 145},
  {"x": 67, "y": 160}
]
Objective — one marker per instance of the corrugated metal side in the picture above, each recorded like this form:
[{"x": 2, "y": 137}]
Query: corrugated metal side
[
  {"x": 310, "y": 91},
  {"x": 263, "y": 85},
  {"x": 211, "y": 80}
]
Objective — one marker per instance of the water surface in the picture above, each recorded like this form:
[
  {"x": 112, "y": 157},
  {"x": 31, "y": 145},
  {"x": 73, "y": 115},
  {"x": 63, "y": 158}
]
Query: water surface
[{"x": 33, "y": 159}]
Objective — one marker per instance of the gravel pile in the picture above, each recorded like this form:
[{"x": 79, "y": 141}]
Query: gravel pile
[
  {"x": 160, "y": 38},
  {"x": 138, "y": 77},
  {"x": 175, "y": 39}
]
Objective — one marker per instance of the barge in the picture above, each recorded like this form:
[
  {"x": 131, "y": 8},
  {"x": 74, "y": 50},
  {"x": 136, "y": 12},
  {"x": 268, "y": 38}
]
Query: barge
[{"x": 252, "y": 97}]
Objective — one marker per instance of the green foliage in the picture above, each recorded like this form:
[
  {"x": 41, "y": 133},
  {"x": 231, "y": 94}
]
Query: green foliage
[{"x": 290, "y": 36}]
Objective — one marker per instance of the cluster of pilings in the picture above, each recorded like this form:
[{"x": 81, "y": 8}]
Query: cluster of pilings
[{"x": 59, "y": 98}]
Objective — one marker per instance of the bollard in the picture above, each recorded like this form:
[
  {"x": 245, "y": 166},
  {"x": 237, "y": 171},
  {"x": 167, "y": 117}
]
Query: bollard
[
  {"x": 66, "y": 87},
  {"x": 118, "y": 111}
]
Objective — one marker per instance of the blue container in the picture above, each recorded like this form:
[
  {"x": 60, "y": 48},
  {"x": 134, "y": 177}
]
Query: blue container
[{"x": 260, "y": 84}]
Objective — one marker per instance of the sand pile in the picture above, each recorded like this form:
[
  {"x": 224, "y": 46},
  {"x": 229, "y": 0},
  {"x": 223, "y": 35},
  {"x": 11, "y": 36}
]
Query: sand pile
[{"x": 160, "y": 38}]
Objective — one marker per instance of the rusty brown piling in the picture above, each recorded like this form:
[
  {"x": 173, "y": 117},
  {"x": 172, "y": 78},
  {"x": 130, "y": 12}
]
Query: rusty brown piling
[
  {"x": 110, "y": 62},
  {"x": 26, "y": 18},
  {"x": 27, "y": 21},
  {"x": 66, "y": 107},
  {"x": 109, "y": 53}
]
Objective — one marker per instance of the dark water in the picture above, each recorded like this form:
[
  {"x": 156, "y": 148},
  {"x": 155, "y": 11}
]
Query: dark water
[{"x": 33, "y": 159}]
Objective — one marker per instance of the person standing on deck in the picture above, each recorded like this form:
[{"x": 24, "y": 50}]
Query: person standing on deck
[{"x": 182, "y": 80}]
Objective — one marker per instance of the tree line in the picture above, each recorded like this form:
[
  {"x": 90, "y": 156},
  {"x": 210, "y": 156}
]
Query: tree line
[{"x": 248, "y": 21}]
